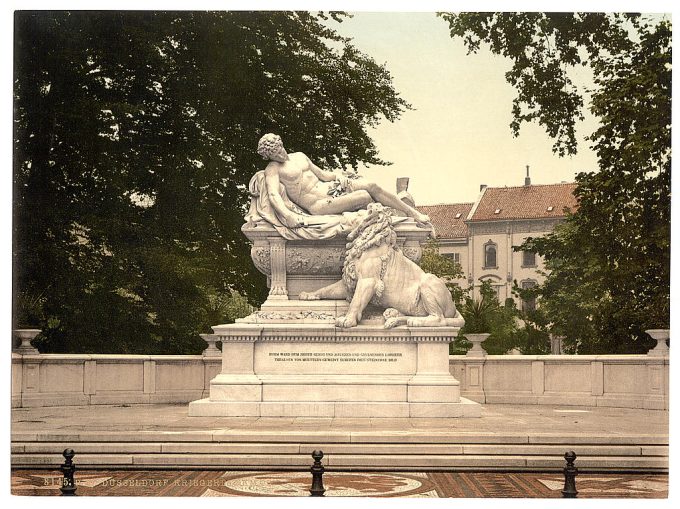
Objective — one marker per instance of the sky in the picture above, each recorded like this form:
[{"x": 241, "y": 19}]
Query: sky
[{"x": 458, "y": 135}]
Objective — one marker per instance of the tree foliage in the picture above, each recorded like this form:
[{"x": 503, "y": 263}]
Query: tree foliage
[
  {"x": 609, "y": 263},
  {"x": 135, "y": 137},
  {"x": 488, "y": 315},
  {"x": 435, "y": 263}
]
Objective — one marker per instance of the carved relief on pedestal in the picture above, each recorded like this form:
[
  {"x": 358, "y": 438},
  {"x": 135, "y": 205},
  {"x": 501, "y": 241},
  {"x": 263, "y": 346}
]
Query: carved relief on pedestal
[
  {"x": 261, "y": 258},
  {"x": 315, "y": 260},
  {"x": 412, "y": 251},
  {"x": 290, "y": 315}
]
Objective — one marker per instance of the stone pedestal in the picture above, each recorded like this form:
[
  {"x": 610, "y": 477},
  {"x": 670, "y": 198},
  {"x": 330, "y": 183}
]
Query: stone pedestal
[
  {"x": 294, "y": 266},
  {"x": 283, "y": 362}
]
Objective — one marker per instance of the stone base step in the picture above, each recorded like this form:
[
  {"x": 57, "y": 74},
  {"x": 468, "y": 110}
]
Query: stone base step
[
  {"x": 335, "y": 409},
  {"x": 332, "y": 436},
  {"x": 339, "y": 449},
  {"x": 341, "y": 462},
  {"x": 351, "y": 451}
]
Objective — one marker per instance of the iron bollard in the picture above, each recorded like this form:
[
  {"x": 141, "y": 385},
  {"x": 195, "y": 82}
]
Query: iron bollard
[
  {"x": 570, "y": 473},
  {"x": 317, "y": 475},
  {"x": 68, "y": 485}
]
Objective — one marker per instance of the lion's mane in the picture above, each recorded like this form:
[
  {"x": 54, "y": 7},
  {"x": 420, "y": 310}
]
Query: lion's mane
[{"x": 374, "y": 231}]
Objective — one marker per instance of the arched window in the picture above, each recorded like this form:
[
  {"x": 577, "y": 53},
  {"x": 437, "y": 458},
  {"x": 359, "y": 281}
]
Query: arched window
[{"x": 490, "y": 261}]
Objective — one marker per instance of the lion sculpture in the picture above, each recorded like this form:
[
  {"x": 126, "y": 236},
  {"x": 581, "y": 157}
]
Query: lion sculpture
[{"x": 376, "y": 271}]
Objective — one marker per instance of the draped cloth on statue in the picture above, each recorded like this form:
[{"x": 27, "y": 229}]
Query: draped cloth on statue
[{"x": 316, "y": 227}]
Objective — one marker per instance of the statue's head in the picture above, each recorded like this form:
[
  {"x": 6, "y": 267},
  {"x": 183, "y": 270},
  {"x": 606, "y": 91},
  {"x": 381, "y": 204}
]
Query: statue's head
[{"x": 270, "y": 147}]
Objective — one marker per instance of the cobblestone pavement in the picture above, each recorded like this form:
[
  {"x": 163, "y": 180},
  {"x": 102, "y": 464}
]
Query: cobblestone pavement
[{"x": 194, "y": 483}]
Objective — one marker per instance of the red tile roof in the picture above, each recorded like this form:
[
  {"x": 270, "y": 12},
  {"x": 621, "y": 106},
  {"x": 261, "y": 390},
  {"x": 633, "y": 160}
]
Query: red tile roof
[
  {"x": 526, "y": 202},
  {"x": 446, "y": 224}
]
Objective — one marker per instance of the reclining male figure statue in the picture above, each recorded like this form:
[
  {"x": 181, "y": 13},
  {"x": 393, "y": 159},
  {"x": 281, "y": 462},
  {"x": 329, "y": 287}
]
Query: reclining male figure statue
[{"x": 319, "y": 191}]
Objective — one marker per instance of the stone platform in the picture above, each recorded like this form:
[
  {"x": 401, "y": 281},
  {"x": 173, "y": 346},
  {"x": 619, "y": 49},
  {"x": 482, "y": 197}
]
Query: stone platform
[
  {"x": 288, "y": 361},
  {"x": 506, "y": 438}
]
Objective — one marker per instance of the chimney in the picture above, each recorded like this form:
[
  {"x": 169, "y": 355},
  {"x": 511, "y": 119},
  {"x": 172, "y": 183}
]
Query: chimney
[
  {"x": 527, "y": 179},
  {"x": 482, "y": 187},
  {"x": 402, "y": 191}
]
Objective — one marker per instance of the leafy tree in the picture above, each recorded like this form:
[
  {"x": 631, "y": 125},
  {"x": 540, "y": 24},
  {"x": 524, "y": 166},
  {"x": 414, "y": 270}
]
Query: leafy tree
[
  {"x": 435, "y": 263},
  {"x": 225, "y": 308},
  {"x": 609, "y": 263},
  {"x": 486, "y": 314},
  {"x": 534, "y": 338},
  {"x": 134, "y": 143}
]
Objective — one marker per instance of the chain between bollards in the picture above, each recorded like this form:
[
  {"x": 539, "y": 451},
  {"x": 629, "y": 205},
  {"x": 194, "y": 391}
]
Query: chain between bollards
[
  {"x": 68, "y": 468},
  {"x": 317, "y": 469},
  {"x": 570, "y": 473}
]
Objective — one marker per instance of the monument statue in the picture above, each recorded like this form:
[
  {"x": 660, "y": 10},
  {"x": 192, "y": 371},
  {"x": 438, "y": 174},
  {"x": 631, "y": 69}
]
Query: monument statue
[
  {"x": 303, "y": 201},
  {"x": 376, "y": 271},
  {"x": 352, "y": 326}
]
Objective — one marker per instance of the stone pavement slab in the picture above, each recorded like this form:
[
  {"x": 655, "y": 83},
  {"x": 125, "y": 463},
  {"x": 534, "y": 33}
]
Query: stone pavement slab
[
  {"x": 505, "y": 419},
  {"x": 506, "y": 438}
]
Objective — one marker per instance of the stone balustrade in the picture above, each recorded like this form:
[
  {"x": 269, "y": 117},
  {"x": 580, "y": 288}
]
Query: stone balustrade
[
  {"x": 71, "y": 379},
  {"x": 629, "y": 381}
]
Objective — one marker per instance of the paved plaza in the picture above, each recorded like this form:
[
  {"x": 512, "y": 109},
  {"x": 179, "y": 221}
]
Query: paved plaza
[
  {"x": 527, "y": 419},
  {"x": 174, "y": 483},
  {"x": 508, "y": 438}
]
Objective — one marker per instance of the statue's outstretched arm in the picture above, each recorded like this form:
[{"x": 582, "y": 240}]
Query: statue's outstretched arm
[{"x": 323, "y": 175}]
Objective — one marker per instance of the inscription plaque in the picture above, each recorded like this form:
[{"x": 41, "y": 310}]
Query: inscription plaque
[{"x": 334, "y": 358}]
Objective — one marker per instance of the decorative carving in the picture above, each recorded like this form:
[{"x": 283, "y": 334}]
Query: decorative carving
[
  {"x": 292, "y": 315},
  {"x": 413, "y": 253},
  {"x": 318, "y": 260},
  {"x": 261, "y": 259},
  {"x": 369, "y": 337},
  {"x": 277, "y": 249}
]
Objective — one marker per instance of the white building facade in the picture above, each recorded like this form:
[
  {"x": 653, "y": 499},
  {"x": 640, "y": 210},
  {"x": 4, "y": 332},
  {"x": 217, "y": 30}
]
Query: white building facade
[{"x": 481, "y": 235}]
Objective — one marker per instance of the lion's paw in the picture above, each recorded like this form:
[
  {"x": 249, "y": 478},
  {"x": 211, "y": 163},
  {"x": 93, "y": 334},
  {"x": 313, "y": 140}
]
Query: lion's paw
[
  {"x": 414, "y": 322},
  {"x": 309, "y": 296},
  {"x": 391, "y": 322},
  {"x": 345, "y": 321}
]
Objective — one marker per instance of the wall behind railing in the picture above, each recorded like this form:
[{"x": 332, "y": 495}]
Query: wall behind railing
[
  {"x": 628, "y": 381},
  {"x": 66, "y": 379}
]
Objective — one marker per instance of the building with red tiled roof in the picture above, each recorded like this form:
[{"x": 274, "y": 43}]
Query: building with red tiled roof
[
  {"x": 524, "y": 202},
  {"x": 448, "y": 219},
  {"x": 481, "y": 236}
]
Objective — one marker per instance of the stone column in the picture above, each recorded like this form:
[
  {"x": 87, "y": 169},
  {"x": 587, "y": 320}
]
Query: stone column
[
  {"x": 474, "y": 368},
  {"x": 17, "y": 379},
  {"x": 657, "y": 371},
  {"x": 277, "y": 249},
  {"x": 538, "y": 378}
]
